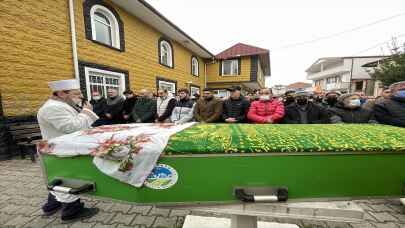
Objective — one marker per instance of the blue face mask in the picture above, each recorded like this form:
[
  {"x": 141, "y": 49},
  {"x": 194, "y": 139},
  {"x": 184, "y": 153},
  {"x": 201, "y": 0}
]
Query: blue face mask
[
  {"x": 400, "y": 94},
  {"x": 355, "y": 103}
]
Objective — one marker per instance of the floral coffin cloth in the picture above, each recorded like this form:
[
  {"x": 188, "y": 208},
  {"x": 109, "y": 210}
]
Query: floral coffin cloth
[
  {"x": 284, "y": 138},
  {"x": 127, "y": 152}
]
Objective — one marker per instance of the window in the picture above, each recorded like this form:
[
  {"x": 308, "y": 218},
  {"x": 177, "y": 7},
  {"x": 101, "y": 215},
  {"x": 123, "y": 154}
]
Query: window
[
  {"x": 221, "y": 94},
  {"x": 102, "y": 80},
  {"x": 230, "y": 67},
  {"x": 165, "y": 53},
  {"x": 332, "y": 80},
  {"x": 104, "y": 26},
  {"x": 169, "y": 86},
  {"x": 194, "y": 66},
  {"x": 359, "y": 86},
  {"x": 194, "y": 90}
]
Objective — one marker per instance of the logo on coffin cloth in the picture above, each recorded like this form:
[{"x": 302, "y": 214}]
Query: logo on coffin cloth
[{"x": 161, "y": 177}]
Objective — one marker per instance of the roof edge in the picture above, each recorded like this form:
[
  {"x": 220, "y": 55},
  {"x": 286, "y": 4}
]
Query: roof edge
[{"x": 155, "y": 11}]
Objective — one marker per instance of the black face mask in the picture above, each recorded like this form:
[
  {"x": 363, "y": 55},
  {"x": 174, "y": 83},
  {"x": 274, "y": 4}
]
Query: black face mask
[
  {"x": 289, "y": 99},
  {"x": 302, "y": 101},
  {"x": 331, "y": 100},
  {"x": 318, "y": 99}
]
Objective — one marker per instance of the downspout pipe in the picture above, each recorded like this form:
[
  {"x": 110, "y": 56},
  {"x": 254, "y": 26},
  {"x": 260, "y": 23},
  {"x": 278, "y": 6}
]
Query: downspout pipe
[
  {"x": 73, "y": 33},
  {"x": 205, "y": 70},
  {"x": 205, "y": 75}
]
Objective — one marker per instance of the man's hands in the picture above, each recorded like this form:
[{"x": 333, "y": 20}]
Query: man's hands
[
  {"x": 87, "y": 105},
  {"x": 126, "y": 117},
  {"x": 230, "y": 120},
  {"x": 269, "y": 120},
  {"x": 108, "y": 115}
]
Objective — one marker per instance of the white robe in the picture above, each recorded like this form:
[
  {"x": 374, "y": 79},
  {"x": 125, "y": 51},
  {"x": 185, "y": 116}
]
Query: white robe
[{"x": 57, "y": 118}]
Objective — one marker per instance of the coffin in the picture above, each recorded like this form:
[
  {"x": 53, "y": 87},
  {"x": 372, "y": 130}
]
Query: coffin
[{"x": 211, "y": 163}]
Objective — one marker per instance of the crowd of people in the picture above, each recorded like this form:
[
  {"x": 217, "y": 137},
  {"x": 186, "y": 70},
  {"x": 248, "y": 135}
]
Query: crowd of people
[
  {"x": 65, "y": 112},
  {"x": 294, "y": 107}
]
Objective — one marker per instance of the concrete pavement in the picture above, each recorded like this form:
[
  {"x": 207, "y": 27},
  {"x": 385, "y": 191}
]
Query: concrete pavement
[{"x": 22, "y": 192}]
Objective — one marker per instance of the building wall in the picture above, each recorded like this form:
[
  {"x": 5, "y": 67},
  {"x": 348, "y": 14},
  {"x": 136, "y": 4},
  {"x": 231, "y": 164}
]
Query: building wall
[
  {"x": 213, "y": 72},
  {"x": 260, "y": 75},
  {"x": 140, "y": 57},
  {"x": 359, "y": 72},
  {"x": 35, "y": 49}
]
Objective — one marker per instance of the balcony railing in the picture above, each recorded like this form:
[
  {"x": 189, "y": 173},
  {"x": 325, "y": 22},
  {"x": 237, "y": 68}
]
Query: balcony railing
[{"x": 327, "y": 73}]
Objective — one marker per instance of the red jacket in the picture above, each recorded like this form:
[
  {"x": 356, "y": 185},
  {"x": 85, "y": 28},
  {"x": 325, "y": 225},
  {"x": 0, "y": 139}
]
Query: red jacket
[{"x": 261, "y": 111}]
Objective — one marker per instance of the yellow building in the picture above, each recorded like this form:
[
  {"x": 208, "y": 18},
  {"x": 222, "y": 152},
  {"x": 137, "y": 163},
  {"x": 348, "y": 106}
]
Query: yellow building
[
  {"x": 242, "y": 65},
  {"x": 117, "y": 43}
]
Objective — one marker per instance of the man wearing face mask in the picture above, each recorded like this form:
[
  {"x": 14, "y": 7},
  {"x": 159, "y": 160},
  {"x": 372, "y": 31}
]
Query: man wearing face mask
[
  {"x": 303, "y": 111},
  {"x": 392, "y": 110},
  {"x": 145, "y": 108},
  {"x": 129, "y": 103},
  {"x": 183, "y": 111},
  {"x": 331, "y": 99},
  {"x": 114, "y": 107},
  {"x": 60, "y": 115},
  {"x": 348, "y": 110},
  {"x": 267, "y": 109},
  {"x": 289, "y": 98},
  {"x": 208, "y": 109},
  {"x": 236, "y": 107},
  {"x": 165, "y": 104},
  {"x": 99, "y": 104}
]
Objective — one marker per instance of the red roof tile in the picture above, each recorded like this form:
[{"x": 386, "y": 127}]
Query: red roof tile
[
  {"x": 299, "y": 85},
  {"x": 240, "y": 49}
]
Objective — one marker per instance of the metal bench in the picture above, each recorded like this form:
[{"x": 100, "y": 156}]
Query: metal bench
[{"x": 26, "y": 135}]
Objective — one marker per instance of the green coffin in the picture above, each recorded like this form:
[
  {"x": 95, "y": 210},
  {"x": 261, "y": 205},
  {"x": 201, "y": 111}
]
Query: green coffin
[{"x": 312, "y": 161}]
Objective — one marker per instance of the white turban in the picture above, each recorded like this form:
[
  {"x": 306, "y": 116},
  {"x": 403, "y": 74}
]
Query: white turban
[{"x": 64, "y": 85}]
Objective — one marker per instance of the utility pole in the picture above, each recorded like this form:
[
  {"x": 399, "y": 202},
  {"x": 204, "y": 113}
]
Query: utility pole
[{"x": 351, "y": 76}]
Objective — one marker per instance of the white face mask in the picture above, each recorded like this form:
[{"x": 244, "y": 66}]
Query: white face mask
[
  {"x": 355, "y": 103},
  {"x": 265, "y": 97},
  {"x": 97, "y": 98}
]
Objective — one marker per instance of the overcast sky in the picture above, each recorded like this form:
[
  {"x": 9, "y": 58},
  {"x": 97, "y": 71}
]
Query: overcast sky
[{"x": 219, "y": 24}]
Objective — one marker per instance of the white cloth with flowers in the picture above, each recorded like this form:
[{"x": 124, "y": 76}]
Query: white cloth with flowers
[{"x": 127, "y": 152}]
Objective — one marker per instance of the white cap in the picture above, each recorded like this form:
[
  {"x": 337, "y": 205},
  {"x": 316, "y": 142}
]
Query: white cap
[{"x": 64, "y": 85}]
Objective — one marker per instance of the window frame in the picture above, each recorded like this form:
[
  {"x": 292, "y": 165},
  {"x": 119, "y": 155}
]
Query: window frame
[
  {"x": 163, "y": 41},
  {"x": 115, "y": 28},
  {"x": 87, "y": 74},
  {"x": 195, "y": 60},
  {"x": 160, "y": 80},
  {"x": 194, "y": 87},
  {"x": 221, "y": 91},
  {"x": 232, "y": 65}
]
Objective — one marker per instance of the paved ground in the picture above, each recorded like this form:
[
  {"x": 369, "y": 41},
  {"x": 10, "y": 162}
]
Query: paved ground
[{"x": 22, "y": 193}]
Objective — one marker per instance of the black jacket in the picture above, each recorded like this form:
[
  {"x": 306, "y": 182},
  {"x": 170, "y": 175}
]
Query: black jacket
[
  {"x": 391, "y": 111},
  {"x": 129, "y": 105},
  {"x": 99, "y": 107},
  {"x": 340, "y": 114},
  {"x": 237, "y": 109},
  {"x": 144, "y": 110},
  {"x": 115, "y": 111},
  {"x": 316, "y": 114}
]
